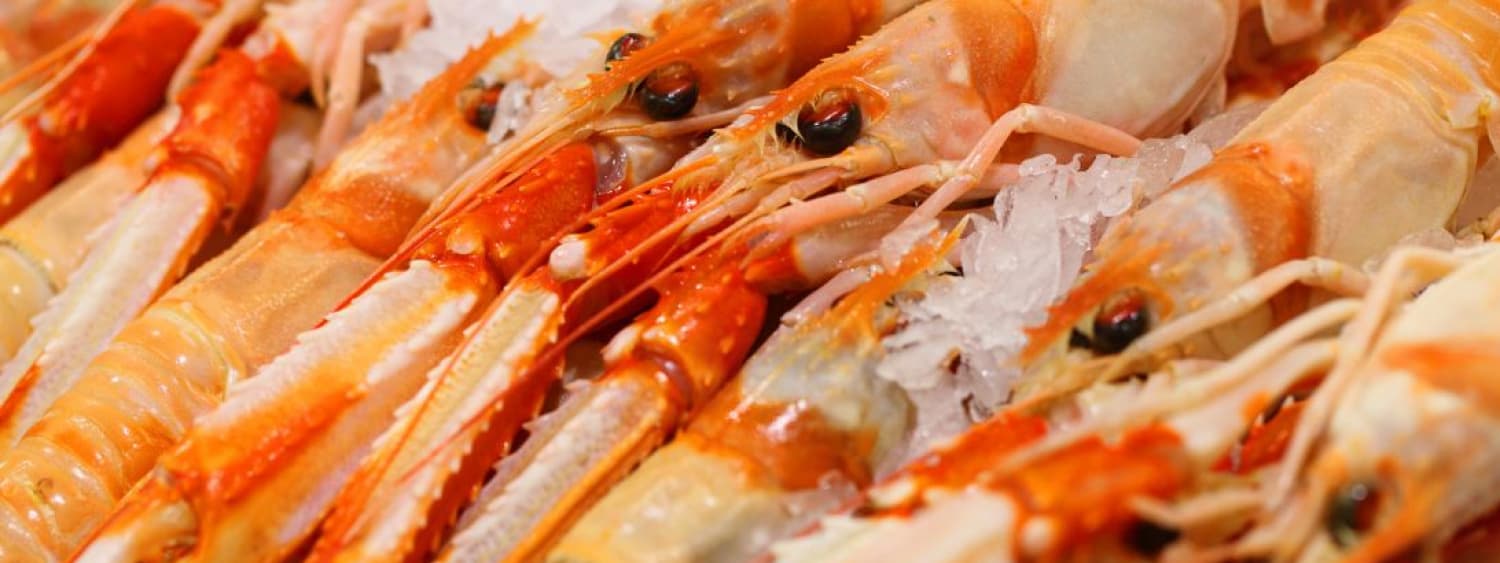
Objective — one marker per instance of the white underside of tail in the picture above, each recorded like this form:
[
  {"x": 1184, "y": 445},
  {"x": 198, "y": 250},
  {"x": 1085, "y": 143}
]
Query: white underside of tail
[
  {"x": 535, "y": 481},
  {"x": 140, "y": 253},
  {"x": 374, "y": 352},
  {"x": 430, "y": 429}
]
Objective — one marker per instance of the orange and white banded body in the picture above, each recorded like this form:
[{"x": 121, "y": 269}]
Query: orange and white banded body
[
  {"x": 146, "y": 244},
  {"x": 233, "y": 314},
  {"x": 855, "y": 117},
  {"x": 452, "y": 268}
]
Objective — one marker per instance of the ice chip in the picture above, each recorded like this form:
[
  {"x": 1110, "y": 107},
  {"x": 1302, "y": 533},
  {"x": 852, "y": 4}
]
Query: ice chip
[
  {"x": 561, "y": 44},
  {"x": 1044, "y": 228}
]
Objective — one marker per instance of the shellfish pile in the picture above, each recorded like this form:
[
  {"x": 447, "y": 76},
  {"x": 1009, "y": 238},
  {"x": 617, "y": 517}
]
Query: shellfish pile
[{"x": 713, "y": 280}]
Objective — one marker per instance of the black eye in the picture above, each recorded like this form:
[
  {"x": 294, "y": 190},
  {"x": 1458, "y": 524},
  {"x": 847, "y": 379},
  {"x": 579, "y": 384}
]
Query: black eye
[
  {"x": 1120, "y": 321},
  {"x": 669, "y": 92},
  {"x": 477, "y": 101},
  {"x": 831, "y": 124},
  {"x": 1352, "y": 513},
  {"x": 623, "y": 47}
]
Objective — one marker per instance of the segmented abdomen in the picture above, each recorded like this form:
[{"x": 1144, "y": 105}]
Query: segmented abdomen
[{"x": 66, "y": 474}]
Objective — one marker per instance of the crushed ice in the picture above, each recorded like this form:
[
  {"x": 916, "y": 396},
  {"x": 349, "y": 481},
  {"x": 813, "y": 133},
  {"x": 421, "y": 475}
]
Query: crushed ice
[
  {"x": 562, "y": 42},
  {"x": 954, "y": 356},
  {"x": 568, "y": 35}
]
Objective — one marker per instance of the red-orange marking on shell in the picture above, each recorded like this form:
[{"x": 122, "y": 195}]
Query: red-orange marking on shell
[
  {"x": 1087, "y": 486},
  {"x": 702, "y": 307},
  {"x": 792, "y": 443},
  {"x": 820, "y": 28},
  {"x": 1266, "y": 443},
  {"x": 107, "y": 96},
  {"x": 977, "y": 452},
  {"x": 1272, "y": 190},
  {"x": 228, "y": 118},
  {"x": 515, "y": 221},
  {"x": 1000, "y": 48},
  {"x": 1464, "y": 366}
]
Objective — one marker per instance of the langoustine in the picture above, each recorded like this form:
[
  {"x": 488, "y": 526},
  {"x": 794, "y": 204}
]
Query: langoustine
[
  {"x": 453, "y": 271},
  {"x": 1028, "y": 522},
  {"x": 1285, "y": 189},
  {"x": 1395, "y": 450},
  {"x": 223, "y": 135},
  {"x": 233, "y": 314},
  {"x": 536, "y": 478}
]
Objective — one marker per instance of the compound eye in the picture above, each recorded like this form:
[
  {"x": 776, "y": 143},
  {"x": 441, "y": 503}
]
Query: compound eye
[
  {"x": 1121, "y": 320},
  {"x": 623, "y": 47},
  {"x": 477, "y": 102},
  {"x": 1352, "y": 512},
  {"x": 669, "y": 92},
  {"x": 831, "y": 123}
]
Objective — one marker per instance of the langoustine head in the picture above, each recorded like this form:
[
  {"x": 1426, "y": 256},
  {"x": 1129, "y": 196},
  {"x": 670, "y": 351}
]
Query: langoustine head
[
  {"x": 1407, "y": 458},
  {"x": 653, "y": 91},
  {"x": 1215, "y": 230},
  {"x": 929, "y": 86}
]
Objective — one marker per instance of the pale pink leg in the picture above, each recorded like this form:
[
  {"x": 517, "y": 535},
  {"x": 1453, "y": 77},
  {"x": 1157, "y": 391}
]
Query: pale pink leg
[
  {"x": 343, "y": 92},
  {"x": 209, "y": 39},
  {"x": 330, "y": 30},
  {"x": 748, "y": 200},
  {"x": 1026, "y": 118},
  {"x": 854, "y": 200}
]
